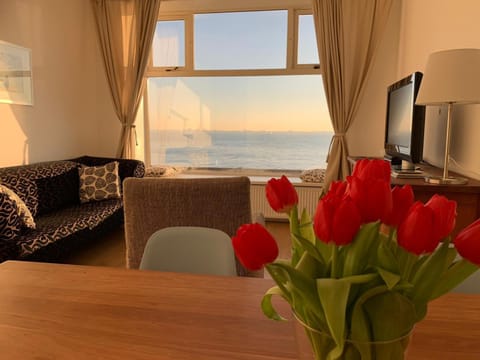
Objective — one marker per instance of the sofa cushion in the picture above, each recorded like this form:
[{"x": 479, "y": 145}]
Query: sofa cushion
[
  {"x": 99, "y": 182},
  {"x": 57, "y": 191},
  {"x": 10, "y": 221},
  {"x": 23, "y": 179},
  {"x": 25, "y": 189},
  {"x": 126, "y": 167},
  {"x": 21, "y": 208},
  {"x": 57, "y": 225}
]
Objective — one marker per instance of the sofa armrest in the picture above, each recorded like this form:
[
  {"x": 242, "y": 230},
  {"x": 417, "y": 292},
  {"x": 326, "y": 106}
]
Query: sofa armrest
[{"x": 127, "y": 167}]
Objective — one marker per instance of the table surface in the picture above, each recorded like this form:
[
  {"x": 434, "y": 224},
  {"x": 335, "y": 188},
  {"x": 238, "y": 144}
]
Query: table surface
[{"x": 53, "y": 311}]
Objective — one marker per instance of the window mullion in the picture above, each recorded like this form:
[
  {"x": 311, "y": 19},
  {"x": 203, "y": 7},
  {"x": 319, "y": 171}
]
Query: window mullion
[
  {"x": 189, "y": 42},
  {"x": 291, "y": 40}
]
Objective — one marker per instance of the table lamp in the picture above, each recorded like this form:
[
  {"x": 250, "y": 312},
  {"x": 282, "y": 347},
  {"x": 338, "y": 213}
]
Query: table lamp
[{"x": 451, "y": 77}]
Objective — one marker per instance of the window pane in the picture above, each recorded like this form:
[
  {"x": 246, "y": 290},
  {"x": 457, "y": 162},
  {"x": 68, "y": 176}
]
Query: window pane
[
  {"x": 168, "y": 47},
  {"x": 307, "y": 41},
  {"x": 256, "y": 122},
  {"x": 240, "y": 40}
]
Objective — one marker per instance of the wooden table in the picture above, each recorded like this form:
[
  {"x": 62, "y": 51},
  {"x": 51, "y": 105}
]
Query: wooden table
[{"x": 51, "y": 311}]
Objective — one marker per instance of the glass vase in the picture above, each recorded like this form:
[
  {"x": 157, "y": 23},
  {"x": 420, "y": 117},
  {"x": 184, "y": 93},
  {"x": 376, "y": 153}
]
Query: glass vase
[{"x": 316, "y": 345}]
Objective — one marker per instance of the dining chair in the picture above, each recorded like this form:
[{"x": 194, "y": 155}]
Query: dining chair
[
  {"x": 190, "y": 249},
  {"x": 154, "y": 203}
]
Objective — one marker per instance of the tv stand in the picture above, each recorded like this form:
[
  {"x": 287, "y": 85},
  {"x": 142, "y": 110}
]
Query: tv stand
[
  {"x": 405, "y": 167},
  {"x": 400, "y": 165}
]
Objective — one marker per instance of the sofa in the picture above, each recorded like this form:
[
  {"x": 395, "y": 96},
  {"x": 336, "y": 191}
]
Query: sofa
[{"x": 51, "y": 209}]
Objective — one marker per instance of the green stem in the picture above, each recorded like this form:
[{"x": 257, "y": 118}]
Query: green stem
[
  {"x": 409, "y": 263},
  {"x": 296, "y": 248},
  {"x": 390, "y": 234},
  {"x": 334, "y": 274}
]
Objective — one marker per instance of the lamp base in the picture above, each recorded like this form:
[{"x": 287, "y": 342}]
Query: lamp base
[{"x": 439, "y": 180}]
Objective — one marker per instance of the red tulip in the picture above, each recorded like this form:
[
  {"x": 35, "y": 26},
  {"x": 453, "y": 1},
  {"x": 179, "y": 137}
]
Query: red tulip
[
  {"x": 281, "y": 194},
  {"x": 467, "y": 242},
  {"x": 337, "y": 219},
  {"x": 415, "y": 234},
  {"x": 254, "y": 246},
  {"x": 402, "y": 200},
  {"x": 445, "y": 213},
  {"x": 373, "y": 198},
  {"x": 337, "y": 188},
  {"x": 366, "y": 169}
]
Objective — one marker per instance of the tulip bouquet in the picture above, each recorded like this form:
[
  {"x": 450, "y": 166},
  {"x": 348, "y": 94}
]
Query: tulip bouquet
[{"x": 363, "y": 271}]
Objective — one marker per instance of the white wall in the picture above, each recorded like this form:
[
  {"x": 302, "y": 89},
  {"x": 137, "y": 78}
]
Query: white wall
[
  {"x": 432, "y": 25},
  {"x": 72, "y": 113}
]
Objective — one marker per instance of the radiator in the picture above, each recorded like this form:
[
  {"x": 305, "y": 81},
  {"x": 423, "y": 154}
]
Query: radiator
[{"x": 308, "y": 196}]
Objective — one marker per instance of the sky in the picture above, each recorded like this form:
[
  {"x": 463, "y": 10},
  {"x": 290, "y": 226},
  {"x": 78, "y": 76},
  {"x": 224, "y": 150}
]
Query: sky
[{"x": 257, "y": 103}]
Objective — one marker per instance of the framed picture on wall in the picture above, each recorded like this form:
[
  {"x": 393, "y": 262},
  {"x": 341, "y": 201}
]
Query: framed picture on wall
[{"x": 15, "y": 74}]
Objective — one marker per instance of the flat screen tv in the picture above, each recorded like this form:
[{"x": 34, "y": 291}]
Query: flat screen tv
[{"x": 404, "y": 123}]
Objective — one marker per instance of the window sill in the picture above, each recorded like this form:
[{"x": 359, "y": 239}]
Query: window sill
[{"x": 257, "y": 176}]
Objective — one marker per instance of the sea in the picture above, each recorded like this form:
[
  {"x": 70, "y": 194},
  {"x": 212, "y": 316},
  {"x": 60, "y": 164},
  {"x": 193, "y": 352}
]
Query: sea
[{"x": 241, "y": 149}]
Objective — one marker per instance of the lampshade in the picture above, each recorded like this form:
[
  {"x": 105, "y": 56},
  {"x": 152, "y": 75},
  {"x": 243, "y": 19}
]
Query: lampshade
[{"x": 451, "y": 76}]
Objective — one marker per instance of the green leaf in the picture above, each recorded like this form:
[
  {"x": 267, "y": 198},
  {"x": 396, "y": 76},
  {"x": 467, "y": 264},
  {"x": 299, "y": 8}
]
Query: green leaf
[
  {"x": 267, "y": 306},
  {"x": 306, "y": 227},
  {"x": 427, "y": 277},
  {"x": 324, "y": 249},
  {"x": 301, "y": 290},
  {"x": 311, "y": 266},
  {"x": 454, "y": 276},
  {"x": 281, "y": 278},
  {"x": 308, "y": 247},
  {"x": 360, "y": 326},
  {"x": 360, "y": 279},
  {"x": 333, "y": 294},
  {"x": 417, "y": 264},
  {"x": 391, "y": 315},
  {"x": 386, "y": 256},
  {"x": 380, "y": 314},
  {"x": 363, "y": 248},
  {"x": 390, "y": 279}
]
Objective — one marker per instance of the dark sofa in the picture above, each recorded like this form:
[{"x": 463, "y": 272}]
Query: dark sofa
[{"x": 50, "y": 190}]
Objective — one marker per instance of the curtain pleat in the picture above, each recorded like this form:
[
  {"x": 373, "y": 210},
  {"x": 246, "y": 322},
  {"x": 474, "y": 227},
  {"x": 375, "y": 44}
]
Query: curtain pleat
[
  {"x": 125, "y": 31},
  {"x": 348, "y": 32}
]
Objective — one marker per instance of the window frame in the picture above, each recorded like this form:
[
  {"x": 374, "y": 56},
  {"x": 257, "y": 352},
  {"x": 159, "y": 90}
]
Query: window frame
[
  {"x": 186, "y": 12},
  {"x": 292, "y": 68}
]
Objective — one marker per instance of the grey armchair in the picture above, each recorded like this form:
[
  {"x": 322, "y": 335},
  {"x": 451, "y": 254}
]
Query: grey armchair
[{"x": 151, "y": 204}]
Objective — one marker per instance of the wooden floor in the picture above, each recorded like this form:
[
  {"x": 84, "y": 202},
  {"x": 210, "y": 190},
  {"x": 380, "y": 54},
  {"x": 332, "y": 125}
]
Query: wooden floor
[{"x": 111, "y": 250}]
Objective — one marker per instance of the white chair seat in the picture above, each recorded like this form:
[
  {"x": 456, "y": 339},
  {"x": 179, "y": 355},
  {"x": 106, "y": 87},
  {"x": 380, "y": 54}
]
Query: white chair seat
[{"x": 190, "y": 249}]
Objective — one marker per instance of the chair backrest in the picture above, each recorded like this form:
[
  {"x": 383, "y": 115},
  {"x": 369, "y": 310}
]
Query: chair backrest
[
  {"x": 151, "y": 204},
  {"x": 190, "y": 249}
]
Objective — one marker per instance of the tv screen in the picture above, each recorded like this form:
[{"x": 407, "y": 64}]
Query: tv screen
[{"x": 404, "y": 121}]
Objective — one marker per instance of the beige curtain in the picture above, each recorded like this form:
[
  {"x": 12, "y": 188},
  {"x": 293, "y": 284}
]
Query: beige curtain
[
  {"x": 348, "y": 32},
  {"x": 125, "y": 29}
]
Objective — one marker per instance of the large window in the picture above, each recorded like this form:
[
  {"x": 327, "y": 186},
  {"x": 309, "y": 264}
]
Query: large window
[{"x": 237, "y": 90}]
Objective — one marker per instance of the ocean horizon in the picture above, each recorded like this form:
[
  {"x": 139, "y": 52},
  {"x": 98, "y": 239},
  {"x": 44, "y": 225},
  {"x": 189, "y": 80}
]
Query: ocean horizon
[{"x": 289, "y": 150}]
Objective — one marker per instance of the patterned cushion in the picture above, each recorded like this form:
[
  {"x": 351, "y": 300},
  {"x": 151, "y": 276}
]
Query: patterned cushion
[
  {"x": 99, "y": 182},
  {"x": 57, "y": 191},
  {"x": 10, "y": 221},
  {"x": 21, "y": 208},
  {"x": 313, "y": 175}
]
